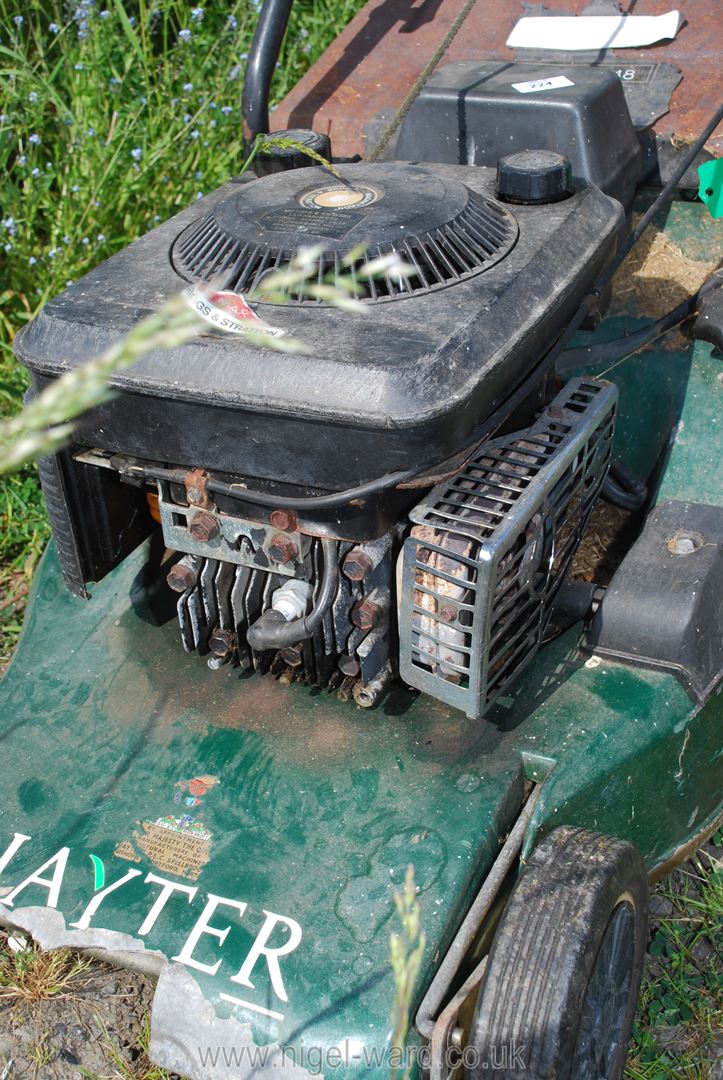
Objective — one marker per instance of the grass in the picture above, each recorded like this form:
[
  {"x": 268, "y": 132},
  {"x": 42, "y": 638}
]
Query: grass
[
  {"x": 31, "y": 975},
  {"x": 679, "y": 1025}
]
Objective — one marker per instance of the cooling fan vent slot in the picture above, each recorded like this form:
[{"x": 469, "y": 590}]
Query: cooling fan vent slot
[
  {"x": 477, "y": 238},
  {"x": 490, "y": 548}
]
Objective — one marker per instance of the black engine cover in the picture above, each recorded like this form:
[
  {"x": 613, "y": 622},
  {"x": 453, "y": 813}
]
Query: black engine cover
[{"x": 401, "y": 387}]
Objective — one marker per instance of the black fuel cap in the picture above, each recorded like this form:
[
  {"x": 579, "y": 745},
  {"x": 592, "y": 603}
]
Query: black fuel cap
[
  {"x": 281, "y": 157},
  {"x": 534, "y": 177}
]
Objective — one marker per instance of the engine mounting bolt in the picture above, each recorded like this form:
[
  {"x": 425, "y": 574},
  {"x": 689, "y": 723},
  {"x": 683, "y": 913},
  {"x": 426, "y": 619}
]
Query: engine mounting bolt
[
  {"x": 181, "y": 577},
  {"x": 194, "y": 495},
  {"x": 204, "y": 527},
  {"x": 357, "y": 565},
  {"x": 365, "y": 615},
  {"x": 221, "y": 643},
  {"x": 684, "y": 543},
  {"x": 283, "y": 519},
  {"x": 282, "y": 549},
  {"x": 448, "y": 613}
]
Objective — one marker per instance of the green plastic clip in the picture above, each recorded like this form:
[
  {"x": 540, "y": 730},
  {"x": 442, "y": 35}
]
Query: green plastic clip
[{"x": 710, "y": 174}]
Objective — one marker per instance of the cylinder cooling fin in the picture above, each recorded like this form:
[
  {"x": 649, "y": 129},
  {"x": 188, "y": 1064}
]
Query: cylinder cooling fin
[{"x": 490, "y": 547}]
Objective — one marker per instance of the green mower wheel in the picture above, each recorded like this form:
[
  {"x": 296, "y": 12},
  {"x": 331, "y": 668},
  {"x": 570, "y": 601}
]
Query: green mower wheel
[{"x": 562, "y": 980}]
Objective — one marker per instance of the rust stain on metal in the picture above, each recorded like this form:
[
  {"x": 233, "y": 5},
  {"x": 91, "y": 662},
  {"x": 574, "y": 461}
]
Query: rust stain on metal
[{"x": 370, "y": 68}]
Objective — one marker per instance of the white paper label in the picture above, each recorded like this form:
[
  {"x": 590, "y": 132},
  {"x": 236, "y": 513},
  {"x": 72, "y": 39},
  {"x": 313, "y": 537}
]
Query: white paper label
[
  {"x": 573, "y": 32},
  {"x": 229, "y": 311},
  {"x": 542, "y": 84}
]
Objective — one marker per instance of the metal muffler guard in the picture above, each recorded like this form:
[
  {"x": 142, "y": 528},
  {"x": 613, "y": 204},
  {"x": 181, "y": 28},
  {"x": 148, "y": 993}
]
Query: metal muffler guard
[{"x": 492, "y": 546}]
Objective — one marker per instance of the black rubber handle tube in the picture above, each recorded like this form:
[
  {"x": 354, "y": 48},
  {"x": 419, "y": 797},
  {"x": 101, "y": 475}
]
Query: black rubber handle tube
[
  {"x": 263, "y": 57},
  {"x": 272, "y": 631}
]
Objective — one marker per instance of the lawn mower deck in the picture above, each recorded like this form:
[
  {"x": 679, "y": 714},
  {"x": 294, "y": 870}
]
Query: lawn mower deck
[{"x": 239, "y": 836}]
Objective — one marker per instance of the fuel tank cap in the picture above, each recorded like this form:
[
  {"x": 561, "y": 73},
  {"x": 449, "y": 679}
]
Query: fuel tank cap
[{"x": 533, "y": 177}]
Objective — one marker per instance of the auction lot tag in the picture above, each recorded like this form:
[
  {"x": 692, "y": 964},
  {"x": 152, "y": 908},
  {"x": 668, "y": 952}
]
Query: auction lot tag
[
  {"x": 229, "y": 311},
  {"x": 542, "y": 84}
]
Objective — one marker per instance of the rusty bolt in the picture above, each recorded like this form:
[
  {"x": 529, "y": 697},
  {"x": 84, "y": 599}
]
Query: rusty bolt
[
  {"x": 181, "y": 577},
  {"x": 448, "y": 613},
  {"x": 204, "y": 527},
  {"x": 365, "y": 615},
  {"x": 357, "y": 565},
  {"x": 221, "y": 643},
  {"x": 282, "y": 549},
  {"x": 283, "y": 519}
]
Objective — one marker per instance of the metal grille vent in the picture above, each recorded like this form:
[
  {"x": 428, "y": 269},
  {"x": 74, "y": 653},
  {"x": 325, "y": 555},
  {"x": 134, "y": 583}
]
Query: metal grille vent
[
  {"x": 481, "y": 235},
  {"x": 491, "y": 547}
]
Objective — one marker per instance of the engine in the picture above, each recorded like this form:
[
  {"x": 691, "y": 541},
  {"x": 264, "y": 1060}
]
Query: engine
[{"x": 403, "y": 498}]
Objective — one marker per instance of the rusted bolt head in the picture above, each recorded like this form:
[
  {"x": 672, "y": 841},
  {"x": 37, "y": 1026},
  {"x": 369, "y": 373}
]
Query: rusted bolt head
[
  {"x": 365, "y": 615},
  {"x": 357, "y": 565},
  {"x": 204, "y": 527},
  {"x": 221, "y": 643},
  {"x": 448, "y": 613},
  {"x": 181, "y": 577},
  {"x": 684, "y": 543},
  {"x": 282, "y": 549},
  {"x": 283, "y": 519}
]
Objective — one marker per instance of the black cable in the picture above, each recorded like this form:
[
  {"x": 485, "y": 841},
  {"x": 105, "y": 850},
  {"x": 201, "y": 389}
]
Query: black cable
[
  {"x": 607, "y": 352},
  {"x": 313, "y": 502},
  {"x": 273, "y": 631}
]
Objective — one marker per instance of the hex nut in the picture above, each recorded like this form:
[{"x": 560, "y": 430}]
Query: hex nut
[
  {"x": 365, "y": 615},
  {"x": 357, "y": 565},
  {"x": 282, "y": 549},
  {"x": 283, "y": 519},
  {"x": 181, "y": 577},
  {"x": 204, "y": 527}
]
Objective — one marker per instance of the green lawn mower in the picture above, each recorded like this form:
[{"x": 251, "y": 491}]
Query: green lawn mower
[{"x": 444, "y": 589}]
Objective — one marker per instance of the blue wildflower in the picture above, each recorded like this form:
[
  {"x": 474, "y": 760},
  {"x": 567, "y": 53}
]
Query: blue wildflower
[
  {"x": 35, "y": 171},
  {"x": 195, "y": 133},
  {"x": 18, "y": 20},
  {"x": 184, "y": 35},
  {"x": 90, "y": 132},
  {"x": 53, "y": 28},
  {"x": 232, "y": 23},
  {"x": 226, "y": 109},
  {"x": 32, "y": 260},
  {"x": 85, "y": 240},
  {"x": 34, "y": 139},
  {"x": 100, "y": 238},
  {"x": 8, "y": 247},
  {"x": 136, "y": 153},
  {"x": 197, "y": 14},
  {"x": 75, "y": 189},
  {"x": 104, "y": 14},
  {"x": 22, "y": 160},
  {"x": 188, "y": 87},
  {"x": 79, "y": 66},
  {"x": 32, "y": 97},
  {"x": 187, "y": 118}
]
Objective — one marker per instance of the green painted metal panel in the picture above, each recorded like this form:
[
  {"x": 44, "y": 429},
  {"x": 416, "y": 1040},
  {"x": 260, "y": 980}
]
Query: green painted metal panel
[{"x": 319, "y": 805}]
